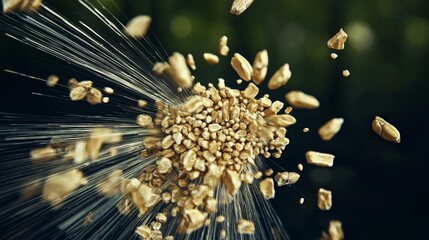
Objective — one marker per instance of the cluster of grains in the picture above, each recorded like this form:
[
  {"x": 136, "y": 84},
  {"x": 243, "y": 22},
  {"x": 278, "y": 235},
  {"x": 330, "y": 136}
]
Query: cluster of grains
[
  {"x": 208, "y": 140},
  {"x": 81, "y": 151},
  {"x": 84, "y": 90},
  {"x": 21, "y": 5}
]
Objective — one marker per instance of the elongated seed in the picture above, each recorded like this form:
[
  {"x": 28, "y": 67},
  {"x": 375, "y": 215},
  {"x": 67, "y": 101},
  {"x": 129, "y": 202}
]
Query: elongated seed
[
  {"x": 280, "y": 77},
  {"x": 242, "y": 67},
  {"x": 260, "y": 67},
  {"x": 320, "y": 159},
  {"x": 138, "y": 26},
  {"x": 223, "y": 46},
  {"x": 301, "y": 100},
  {"x": 386, "y": 130},
  {"x": 328, "y": 130},
  {"x": 324, "y": 199},
  {"x": 210, "y": 58}
]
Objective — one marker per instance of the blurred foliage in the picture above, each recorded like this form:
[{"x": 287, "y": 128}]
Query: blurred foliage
[{"x": 379, "y": 188}]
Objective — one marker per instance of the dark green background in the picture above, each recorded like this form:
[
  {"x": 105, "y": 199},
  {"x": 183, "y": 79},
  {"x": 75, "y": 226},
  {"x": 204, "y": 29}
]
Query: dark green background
[{"x": 379, "y": 188}]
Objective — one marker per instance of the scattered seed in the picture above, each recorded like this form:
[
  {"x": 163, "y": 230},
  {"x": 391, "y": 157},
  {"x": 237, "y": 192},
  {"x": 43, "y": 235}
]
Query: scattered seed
[
  {"x": 346, "y": 73},
  {"x": 334, "y": 55},
  {"x": 267, "y": 188},
  {"x": 105, "y": 100},
  {"x": 300, "y": 167},
  {"x": 324, "y": 199},
  {"x": 138, "y": 26},
  {"x": 335, "y": 231},
  {"x": 42, "y": 155},
  {"x": 239, "y": 81},
  {"x": 239, "y": 6},
  {"x": 386, "y": 130},
  {"x": 108, "y": 90},
  {"x": 320, "y": 159},
  {"x": 242, "y": 67},
  {"x": 211, "y": 58},
  {"x": 191, "y": 62},
  {"x": 141, "y": 103},
  {"x": 328, "y": 130},
  {"x": 223, "y": 46},
  {"x": 145, "y": 121},
  {"x": 301, "y": 201},
  {"x": 288, "y": 110},
  {"x": 338, "y": 40},
  {"x": 245, "y": 226},
  {"x": 57, "y": 187},
  {"x": 52, "y": 80},
  {"x": 301, "y": 100},
  {"x": 260, "y": 67},
  {"x": 305, "y": 130},
  {"x": 78, "y": 93},
  {"x": 94, "y": 96},
  {"x": 286, "y": 178},
  {"x": 179, "y": 71},
  {"x": 280, "y": 77}
]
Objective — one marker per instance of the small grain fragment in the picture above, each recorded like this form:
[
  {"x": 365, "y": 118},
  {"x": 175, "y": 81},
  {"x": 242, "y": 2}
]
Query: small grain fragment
[
  {"x": 346, "y": 73},
  {"x": 245, "y": 226},
  {"x": 324, "y": 199},
  {"x": 105, "y": 100},
  {"x": 52, "y": 80},
  {"x": 301, "y": 200},
  {"x": 338, "y": 40},
  {"x": 223, "y": 46},
  {"x": 280, "y": 77},
  {"x": 320, "y": 159},
  {"x": 334, "y": 55},
  {"x": 288, "y": 110},
  {"x": 239, "y": 81},
  {"x": 301, "y": 100},
  {"x": 328, "y": 130},
  {"x": 42, "y": 155},
  {"x": 386, "y": 130},
  {"x": 305, "y": 130},
  {"x": 138, "y": 26},
  {"x": 300, "y": 167},
  {"x": 78, "y": 93},
  {"x": 239, "y": 6},
  {"x": 144, "y": 120},
  {"x": 242, "y": 67},
  {"x": 211, "y": 58}
]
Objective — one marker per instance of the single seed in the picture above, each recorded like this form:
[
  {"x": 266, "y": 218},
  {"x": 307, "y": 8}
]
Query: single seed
[
  {"x": 324, "y": 199},
  {"x": 267, "y": 188},
  {"x": 280, "y": 77},
  {"x": 286, "y": 178},
  {"x": 320, "y": 159},
  {"x": 260, "y": 67},
  {"x": 141, "y": 103},
  {"x": 301, "y": 100},
  {"x": 160, "y": 67},
  {"x": 334, "y": 55},
  {"x": 338, "y": 40},
  {"x": 305, "y": 129},
  {"x": 300, "y": 167},
  {"x": 335, "y": 231},
  {"x": 211, "y": 58},
  {"x": 239, "y": 6},
  {"x": 223, "y": 46},
  {"x": 144, "y": 120},
  {"x": 386, "y": 130},
  {"x": 239, "y": 81},
  {"x": 94, "y": 96},
  {"x": 245, "y": 226},
  {"x": 288, "y": 110},
  {"x": 301, "y": 200},
  {"x": 57, "y": 187},
  {"x": 346, "y": 73},
  {"x": 52, "y": 80},
  {"x": 328, "y": 130},
  {"x": 105, "y": 100},
  {"x": 242, "y": 67},
  {"x": 138, "y": 26},
  {"x": 191, "y": 62},
  {"x": 108, "y": 90},
  {"x": 78, "y": 93},
  {"x": 179, "y": 71}
]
